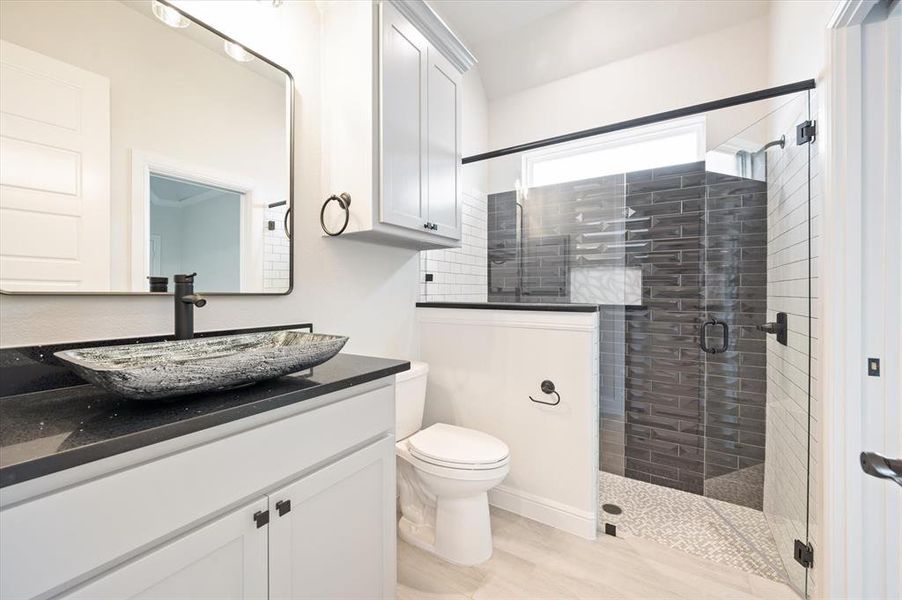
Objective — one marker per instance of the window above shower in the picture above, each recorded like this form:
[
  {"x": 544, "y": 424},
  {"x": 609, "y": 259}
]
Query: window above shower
[{"x": 673, "y": 142}]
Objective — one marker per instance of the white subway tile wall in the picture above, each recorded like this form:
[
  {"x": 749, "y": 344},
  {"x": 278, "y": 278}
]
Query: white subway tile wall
[
  {"x": 459, "y": 274},
  {"x": 276, "y": 252},
  {"x": 786, "y": 482}
]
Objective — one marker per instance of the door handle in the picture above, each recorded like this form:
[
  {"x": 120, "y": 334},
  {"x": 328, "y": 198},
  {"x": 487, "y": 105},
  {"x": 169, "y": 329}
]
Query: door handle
[
  {"x": 882, "y": 467},
  {"x": 778, "y": 328},
  {"x": 703, "y": 342}
]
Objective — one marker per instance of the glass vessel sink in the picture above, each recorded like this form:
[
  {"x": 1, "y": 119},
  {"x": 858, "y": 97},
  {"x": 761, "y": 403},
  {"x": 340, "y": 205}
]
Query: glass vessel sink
[{"x": 164, "y": 369}]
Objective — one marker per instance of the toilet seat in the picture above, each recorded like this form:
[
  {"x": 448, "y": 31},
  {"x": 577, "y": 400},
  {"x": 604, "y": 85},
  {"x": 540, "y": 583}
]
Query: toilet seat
[{"x": 453, "y": 447}]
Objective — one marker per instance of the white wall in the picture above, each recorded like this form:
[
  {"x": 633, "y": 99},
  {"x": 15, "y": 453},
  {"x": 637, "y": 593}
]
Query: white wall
[
  {"x": 724, "y": 63},
  {"x": 484, "y": 365},
  {"x": 361, "y": 290},
  {"x": 793, "y": 57}
]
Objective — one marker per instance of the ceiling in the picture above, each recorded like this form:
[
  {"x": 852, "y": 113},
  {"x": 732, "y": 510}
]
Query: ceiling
[{"x": 525, "y": 43}]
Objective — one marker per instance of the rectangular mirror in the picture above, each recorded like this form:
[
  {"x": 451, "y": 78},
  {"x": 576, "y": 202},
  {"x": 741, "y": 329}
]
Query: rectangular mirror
[{"x": 137, "y": 143}]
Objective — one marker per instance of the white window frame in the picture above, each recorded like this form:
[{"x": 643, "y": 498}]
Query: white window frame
[{"x": 628, "y": 137}]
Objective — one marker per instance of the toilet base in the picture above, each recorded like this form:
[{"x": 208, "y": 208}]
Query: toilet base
[{"x": 462, "y": 534}]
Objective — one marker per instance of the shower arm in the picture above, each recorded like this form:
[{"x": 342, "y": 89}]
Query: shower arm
[{"x": 781, "y": 142}]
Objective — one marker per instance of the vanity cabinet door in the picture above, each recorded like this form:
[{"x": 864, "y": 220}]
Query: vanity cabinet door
[
  {"x": 404, "y": 58},
  {"x": 443, "y": 129},
  {"x": 224, "y": 559},
  {"x": 332, "y": 533}
]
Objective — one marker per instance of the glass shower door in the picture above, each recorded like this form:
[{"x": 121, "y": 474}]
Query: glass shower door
[{"x": 755, "y": 336}]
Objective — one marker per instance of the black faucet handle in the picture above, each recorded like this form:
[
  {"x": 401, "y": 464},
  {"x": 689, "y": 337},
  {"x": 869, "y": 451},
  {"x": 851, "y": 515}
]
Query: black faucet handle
[{"x": 184, "y": 277}]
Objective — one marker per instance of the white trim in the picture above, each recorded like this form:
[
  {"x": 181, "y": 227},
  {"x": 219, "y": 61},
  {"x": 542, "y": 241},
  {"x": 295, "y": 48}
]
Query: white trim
[
  {"x": 437, "y": 32},
  {"x": 250, "y": 245},
  {"x": 850, "y": 12},
  {"x": 851, "y": 516},
  {"x": 556, "y": 321},
  {"x": 560, "y": 516}
]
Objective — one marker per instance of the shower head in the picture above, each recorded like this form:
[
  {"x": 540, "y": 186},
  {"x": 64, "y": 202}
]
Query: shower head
[{"x": 781, "y": 142}]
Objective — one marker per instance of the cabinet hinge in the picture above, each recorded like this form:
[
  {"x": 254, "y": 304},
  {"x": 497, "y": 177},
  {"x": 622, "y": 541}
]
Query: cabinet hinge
[
  {"x": 283, "y": 506},
  {"x": 806, "y": 132},
  {"x": 804, "y": 554},
  {"x": 261, "y": 518}
]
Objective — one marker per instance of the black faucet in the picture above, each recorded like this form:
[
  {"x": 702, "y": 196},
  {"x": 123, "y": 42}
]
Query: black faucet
[{"x": 185, "y": 301}]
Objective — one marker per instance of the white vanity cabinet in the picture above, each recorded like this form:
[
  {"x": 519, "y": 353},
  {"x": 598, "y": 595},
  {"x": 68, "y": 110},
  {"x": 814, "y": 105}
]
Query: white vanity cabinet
[
  {"x": 225, "y": 559},
  {"x": 297, "y": 502},
  {"x": 329, "y": 537},
  {"x": 392, "y": 75}
]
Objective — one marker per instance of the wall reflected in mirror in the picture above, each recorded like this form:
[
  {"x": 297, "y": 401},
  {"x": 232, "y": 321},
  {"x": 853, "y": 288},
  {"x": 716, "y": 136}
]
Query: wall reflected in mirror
[{"x": 137, "y": 143}]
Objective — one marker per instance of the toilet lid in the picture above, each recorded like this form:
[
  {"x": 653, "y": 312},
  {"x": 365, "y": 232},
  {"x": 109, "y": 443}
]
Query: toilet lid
[{"x": 457, "y": 445}]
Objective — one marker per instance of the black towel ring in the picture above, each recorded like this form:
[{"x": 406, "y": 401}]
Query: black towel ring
[
  {"x": 344, "y": 201},
  {"x": 548, "y": 387}
]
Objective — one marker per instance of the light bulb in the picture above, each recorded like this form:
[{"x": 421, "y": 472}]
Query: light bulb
[
  {"x": 237, "y": 52},
  {"x": 169, "y": 15}
]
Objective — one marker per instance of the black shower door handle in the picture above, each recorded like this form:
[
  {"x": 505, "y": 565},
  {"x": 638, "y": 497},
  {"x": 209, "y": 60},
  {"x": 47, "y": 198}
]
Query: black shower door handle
[{"x": 703, "y": 342}]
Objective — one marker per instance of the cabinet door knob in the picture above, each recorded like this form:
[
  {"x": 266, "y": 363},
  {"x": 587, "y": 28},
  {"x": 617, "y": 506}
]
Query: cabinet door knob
[
  {"x": 261, "y": 518},
  {"x": 283, "y": 506}
]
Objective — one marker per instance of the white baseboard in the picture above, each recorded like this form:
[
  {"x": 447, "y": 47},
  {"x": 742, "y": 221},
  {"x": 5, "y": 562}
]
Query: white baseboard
[{"x": 560, "y": 516}]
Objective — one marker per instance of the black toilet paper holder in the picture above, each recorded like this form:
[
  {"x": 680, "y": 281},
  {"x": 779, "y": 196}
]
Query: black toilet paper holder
[{"x": 548, "y": 388}]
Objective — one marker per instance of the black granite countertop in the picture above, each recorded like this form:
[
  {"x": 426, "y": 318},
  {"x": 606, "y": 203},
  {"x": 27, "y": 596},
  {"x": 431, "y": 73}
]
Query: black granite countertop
[{"x": 48, "y": 431}]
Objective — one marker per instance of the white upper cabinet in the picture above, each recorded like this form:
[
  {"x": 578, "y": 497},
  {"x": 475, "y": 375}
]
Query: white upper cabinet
[
  {"x": 443, "y": 146},
  {"x": 405, "y": 194},
  {"x": 392, "y": 122}
]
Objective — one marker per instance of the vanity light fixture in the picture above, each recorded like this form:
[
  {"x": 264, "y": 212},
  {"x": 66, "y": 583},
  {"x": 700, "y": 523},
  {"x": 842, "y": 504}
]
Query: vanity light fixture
[
  {"x": 169, "y": 15},
  {"x": 237, "y": 52}
]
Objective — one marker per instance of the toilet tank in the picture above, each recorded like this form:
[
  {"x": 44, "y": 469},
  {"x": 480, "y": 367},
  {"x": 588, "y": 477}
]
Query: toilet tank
[{"x": 410, "y": 399}]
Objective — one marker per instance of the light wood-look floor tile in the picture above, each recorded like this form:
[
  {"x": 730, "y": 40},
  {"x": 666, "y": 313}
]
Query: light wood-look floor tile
[{"x": 532, "y": 560}]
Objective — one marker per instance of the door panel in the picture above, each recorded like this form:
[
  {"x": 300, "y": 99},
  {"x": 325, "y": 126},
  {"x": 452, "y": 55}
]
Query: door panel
[
  {"x": 757, "y": 394},
  {"x": 404, "y": 56},
  {"x": 224, "y": 559},
  {"x": 338, "y": 538},
  {"x": 444, "y": 154},
  {"x": 54, "y": 174}
]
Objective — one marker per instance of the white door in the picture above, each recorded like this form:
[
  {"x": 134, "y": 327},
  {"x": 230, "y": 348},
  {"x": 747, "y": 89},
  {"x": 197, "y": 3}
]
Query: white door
[
  {"x": 332, "y": 534},
  {"x": 443, "y": 146},
  {"x": 54, "y": 174},
  {"x": 224, "y": 559},
  {"x": 404, "y": 57},
  {"x": 881, "y": 286}
]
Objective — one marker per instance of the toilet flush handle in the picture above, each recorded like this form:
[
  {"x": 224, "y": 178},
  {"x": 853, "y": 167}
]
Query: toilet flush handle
[{"x": 548, "y": 388}]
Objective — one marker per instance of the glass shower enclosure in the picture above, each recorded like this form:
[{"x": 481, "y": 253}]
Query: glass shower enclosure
[{"x": 694, "y": 237}]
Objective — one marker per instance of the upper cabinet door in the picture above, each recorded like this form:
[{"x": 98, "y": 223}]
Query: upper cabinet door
[
  {"x": 332, "y": 533},
  {"x": 443, "y": 111},
  {"x": 404, "y": 60},
  {"x": 223, "y": 559}
]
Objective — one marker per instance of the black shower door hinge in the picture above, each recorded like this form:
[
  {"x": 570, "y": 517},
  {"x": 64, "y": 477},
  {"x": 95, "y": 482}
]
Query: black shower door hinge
[
  {"x": 804, "y": 554},
  {"x": 805, "y": 132}
]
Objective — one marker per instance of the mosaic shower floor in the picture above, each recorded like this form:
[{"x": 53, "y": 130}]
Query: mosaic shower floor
[{"x": 711, "y": 529}]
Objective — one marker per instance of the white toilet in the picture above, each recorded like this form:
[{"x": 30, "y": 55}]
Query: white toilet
[{"x": 444, "y": 474}]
